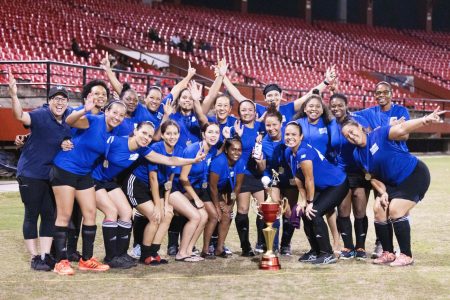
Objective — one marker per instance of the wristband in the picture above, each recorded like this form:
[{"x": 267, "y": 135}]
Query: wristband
[
  {"x": 326, "y": 82},
  {"x": 309, "y": 201}
]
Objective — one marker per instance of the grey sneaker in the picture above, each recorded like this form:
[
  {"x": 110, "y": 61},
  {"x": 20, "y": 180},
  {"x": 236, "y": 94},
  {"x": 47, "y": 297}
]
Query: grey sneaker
[
  {"x": 309, "y": 256},
  {"x": 377, "y": 251},
  {"x": 227, "y": 250},
  {"x": 286, "y": 251},
  {"x": 259, "y": 248},
  {"x": 38, "y": 264},
  {"x": 136, "y": 252},
  {"x": 325, "y": 259}
]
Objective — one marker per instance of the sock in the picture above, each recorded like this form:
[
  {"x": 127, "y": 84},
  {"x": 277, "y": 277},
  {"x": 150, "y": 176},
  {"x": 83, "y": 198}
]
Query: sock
[
  {"x": 109, "y": 229},
  {"x": 145, "y": 252},
  {"x": 345, "y": 228},
  {"x": 309, "y": 232},
  {"x": 88, "y": 234},
  {"x": 153, "y": 250},
  {"x": 403, "y": 233},
  {"x": 72, "y": 240},
  {"x": 383, "y": 230},
  {"x": 74, "y": 229},
  {"x": 59, "y": 241},
  {"x": 123, "y": 236},
  {"x": 288, "y": 232},
  {"x": 242, "y": 224},
  {"x": 361, "y": 226},
  {"x": 321, "y": 234},
  {"x": 139, "y": 223},
  {"x": 175, "y": 228},
  {"x": 214, "y": 237},
  {"x": 260, "y": 225}
]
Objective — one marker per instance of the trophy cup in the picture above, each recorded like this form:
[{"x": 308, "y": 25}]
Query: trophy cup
[{"x": 270, "y": 211}]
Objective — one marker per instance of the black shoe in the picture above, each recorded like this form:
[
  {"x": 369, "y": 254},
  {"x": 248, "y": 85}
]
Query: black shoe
[
  {"x": 285, "y": 250},
  {"x": 50, "y": 261},
  {"x": 74, "y": 256},
  {"x": 129, "y": 259},
  {"x": 119, "y": 263},
  {"x": 325, "y": 259},
  {"x": 248, "y": 253},
  {"x": 209, "y": 255},
  {"x": 38, "y": 264},
  {"x": 309, "y": 256},
  {"x": 172, "y": 251}
]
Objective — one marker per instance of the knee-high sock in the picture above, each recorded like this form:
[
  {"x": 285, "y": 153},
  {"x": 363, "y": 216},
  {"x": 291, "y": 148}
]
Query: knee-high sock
[
  {"x": 175, "y": 228},
  {"x": 361, "y": 226},
  {"x": 260, "y": 225},
  {"x": 402, "y": 230},
  {"x": 321, "y": 235},
  {"x": 109, "y": 229},
  {"x": 60, "y": 242},
  {"x": 88, "y": 234},
  {"x": 345, "y": 228},
  {"x": 384, "y": 234},
  {"x": 288, "y": 232},
  {"x": 123, "y": 236},
  {"x": 139, "y": 223},
  {"x": 242, "y": 224}
]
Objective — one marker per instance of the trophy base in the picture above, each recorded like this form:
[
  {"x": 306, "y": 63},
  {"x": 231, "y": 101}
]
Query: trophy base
[{"x": 269, "y": 263}]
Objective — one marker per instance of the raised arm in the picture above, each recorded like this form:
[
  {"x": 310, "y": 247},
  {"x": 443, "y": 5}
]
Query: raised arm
[
  {"x": 234, "y": 92},
  {"x": 105, "y": 64},
  {"x": 220, "y": 70},
  {"x": 18, "y": 112},
  {"x": 176, "y": 90},
  {"x": 157, "y": 158},
  {"x": 196, "y": 94},
  {"x": 397, "y": 132},
  {"x": 77, "y": 118}
]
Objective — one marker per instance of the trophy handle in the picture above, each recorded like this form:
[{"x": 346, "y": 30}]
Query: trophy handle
[
  {"x": 283, "y": 206},
  {"x": 255, "y": 206}
]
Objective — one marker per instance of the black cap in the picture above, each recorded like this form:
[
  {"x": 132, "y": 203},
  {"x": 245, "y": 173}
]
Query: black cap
[{"x": 58, "y": 90}]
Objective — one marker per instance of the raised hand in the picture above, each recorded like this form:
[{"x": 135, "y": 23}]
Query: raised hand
[
  {"x": 89, "y": 103},
  {"x": 105, "y": 63},
  {"x": 12, "y": 84},
  {"x": 169, "y": 107},
  {"x": 330, "y": 74},
  {"x": 239, "y": 127},
  {"x": 200, "y": 154},
  {"x": 191, "y": 71},
  {"x": 222, "y": 67},
  {"x": 434, "y": 117},
  {"x": 195, "y": 90}
]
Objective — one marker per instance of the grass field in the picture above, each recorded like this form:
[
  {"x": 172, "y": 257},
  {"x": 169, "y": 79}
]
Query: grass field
[{"x": 238, "y": 277}]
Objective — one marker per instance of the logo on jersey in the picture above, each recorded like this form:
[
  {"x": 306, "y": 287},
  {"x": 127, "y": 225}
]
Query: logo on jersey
[
  {"x": 232, "y": 174},
  {"x": 374, "y": 149},
  {"x": 193, "y": 119},
  {"x": 208, "y": 161},
  {"x": 159, "y": 116},
  {"x": 302, "y": 156},
  {"x": 323, "y": 130},
  {"x": 133, "y": 156},
  {"x": 283, "y": 119}
]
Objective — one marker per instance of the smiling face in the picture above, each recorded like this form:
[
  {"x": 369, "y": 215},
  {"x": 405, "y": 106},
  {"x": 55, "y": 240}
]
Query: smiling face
[
  {"x": 100, "y": 96},
  {"x": 234, "y": 151},
  {"x": 58, "y": 105},
  {"x": 273, "y": 97},
  {"x": 211, "y": 134},
  {"x": 130, "y": 98},
  {"x": 115, "y": 114},
  {"x": 292, "y": 136},
  {"x": 313, "y": 109},
  {"x": 338, "y": 108},
  {"x": 171, "y": 135},
  {"x": 153, "y": 99},
  {"x": 247, "y": 112},
  {"x": 273, "y": 127},
  {"x": 222, "y": 108},
  {"x": 144, "y": 135},
  {"x": 383, "y": 95},
  {"x": 354, "y": 134},
  {"x": 185, "y": 102}
]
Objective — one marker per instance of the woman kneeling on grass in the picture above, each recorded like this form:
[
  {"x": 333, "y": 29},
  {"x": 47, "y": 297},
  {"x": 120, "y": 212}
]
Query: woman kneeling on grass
[{"x": 400, "y": 179}]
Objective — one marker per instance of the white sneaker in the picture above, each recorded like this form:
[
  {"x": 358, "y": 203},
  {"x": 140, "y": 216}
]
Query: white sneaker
[
  {"x": 377, "y": 251},
  {"x": 227, "y": 250},
  {"x": 136, "y": 252}
]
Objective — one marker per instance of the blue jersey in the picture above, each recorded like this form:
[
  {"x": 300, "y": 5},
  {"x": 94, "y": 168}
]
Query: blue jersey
[
  {"x": 199, "y": 171},
  {"x": 140, "y": 114},
  {"x": 227, "y": 174},
  {"x": 89, "y": 145},
  {"x": 274, "y": 155},
  {"x": 377, "y": 118},
  {"x": 248, "y": 139},
  {"x": 75, "y": 130},
  {"x": 287, "y": 111},
  {"x": 385, "y": 159},
  {"x": 190, "y": 131},
  {"x": 325, "y": 174},
  {"x": 228, "y": 123},
  {"x": 164, "y": 172},
  {"x": 43, "y": 144},
  {"x": 119, "y": 158},
  {"x": 315, "y": 134},
  {"x": 342, "y": 148}
]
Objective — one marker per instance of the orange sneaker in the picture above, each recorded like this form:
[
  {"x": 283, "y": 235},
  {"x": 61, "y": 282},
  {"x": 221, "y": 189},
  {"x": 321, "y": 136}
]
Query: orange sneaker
[
  {"x": 385, "y": 258},
  {"x": 63, "y": 268},
  {"x": 92, "y": 265},
  {"x": 402, "y": 260}
]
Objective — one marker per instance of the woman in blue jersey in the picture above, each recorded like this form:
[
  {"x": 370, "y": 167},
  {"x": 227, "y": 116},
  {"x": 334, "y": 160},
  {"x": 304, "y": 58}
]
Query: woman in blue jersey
[
  {"x": 48, "y": 129},
  {"x": 359, "y": 187},
  {"x": 400, "y": 179},
  {"x": 249, "y": 129},
  {"x": 323, "y": 186},
  {"x": 70, "y": 179},
  {"x": 225, "y": 180},
  {"x": 273, "y": 159},
  {"x": 194, "y": 180}
]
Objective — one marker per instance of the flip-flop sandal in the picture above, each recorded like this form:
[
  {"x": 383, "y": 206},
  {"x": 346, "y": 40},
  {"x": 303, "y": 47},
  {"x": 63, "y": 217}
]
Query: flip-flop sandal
[
  {"x": 207, "y": 255},
  {"x": 222, "y": 255},
  {"x": 187, "y": 259}
]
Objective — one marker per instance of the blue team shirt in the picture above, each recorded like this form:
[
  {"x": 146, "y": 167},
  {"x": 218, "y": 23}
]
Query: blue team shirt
[
  {"x": 385, "y": 159},
  {"x": 164, "y": 172},
  {"x": 226, "y": 173},
  {"x": 43, "y": 144},
  {"x": 325, "y": 174},
  {"x": 286, "y": 110},
  {"x": 199, "y": 171},
  {"x": 228, "y": 123},
  {"x": 140, "y": 114},
  {"x": 190, "y": 131},
  {"x": 248, "y": 139},
  {"x": 89, "y": 145},
  {"x": 274, "y": 155},
  {"x": 119, "y": 158},
  {"x": 315, "y": 134}
]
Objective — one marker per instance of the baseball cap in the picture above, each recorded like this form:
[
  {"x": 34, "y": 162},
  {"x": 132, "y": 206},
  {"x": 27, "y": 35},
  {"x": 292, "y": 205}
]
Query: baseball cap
[{"x": 58, "y": 90}]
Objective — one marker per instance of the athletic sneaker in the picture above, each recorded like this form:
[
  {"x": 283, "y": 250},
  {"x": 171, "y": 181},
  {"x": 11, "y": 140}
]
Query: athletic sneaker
[
  {"x": 195, "y": 251},
  {"x": 130, "y": 259},
  {"x": 227, "y": 250},
  {"x": 248, "y": 253},
  {"x": 325, "y": 259},
  {"x": 385, "y": 258},
  {"x": 286, "y": 250},
  {"x": 360, "y": 254},
  {"x": 119, "y": 263},
  {"x": 377, "y": 251},
  {"x": 38, "y": 264},
  {"x": 309, "y": 256},
  {"x": 211, "y": 249},
  {"x": 74, "y": 256},
  {"x": 92, "y": 264},
  {"x": 136, "y": 252},
  {"x": 259, "y": 248},
  {"x": 63, "y": 268},
  {"x": 402, "y": 260},
  {"x": 347, "y": 254},
  {"x": 172, "y": 251}
]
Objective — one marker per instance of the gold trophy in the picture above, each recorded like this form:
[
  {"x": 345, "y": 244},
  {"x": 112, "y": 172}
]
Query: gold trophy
[{"x": 270, "y": 211}]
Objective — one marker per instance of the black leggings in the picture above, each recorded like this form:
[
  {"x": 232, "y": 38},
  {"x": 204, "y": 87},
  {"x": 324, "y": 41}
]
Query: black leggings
[
  {"x": 37, "y": 196},
  {"x": 315, "y": 229}
]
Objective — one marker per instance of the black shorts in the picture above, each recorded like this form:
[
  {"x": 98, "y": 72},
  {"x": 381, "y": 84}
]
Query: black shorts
[
  {"x": 357, "y": 180},
  {"x": 60, "y": 177},
  {"x": 137, "y": 191},
  {"x": 107, "y": 185},
  {"x": 414, "y": 186},
  {"x": 251, "y": 184},
  {"x": 204, "y": 194}
]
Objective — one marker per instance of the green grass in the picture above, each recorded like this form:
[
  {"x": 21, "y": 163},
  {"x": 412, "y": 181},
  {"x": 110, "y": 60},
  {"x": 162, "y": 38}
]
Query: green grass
[{"x": 239, "y": 277}]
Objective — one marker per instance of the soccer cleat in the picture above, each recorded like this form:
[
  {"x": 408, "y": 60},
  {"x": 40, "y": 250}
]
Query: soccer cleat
[
  {"x": 347, "y": 254},
  {"x": 259, "y": 248},
  {"x": 286, "y": 251},
  {"x": 74, "y": 256},
  {"x": 172, "y": 251},
  {"x": 50, "y": 261},
  {"x": 153, "y": 261},
  {"x": 385, "y": 258},
  {"x": 325, "y": 259},
  {"x": 92, "y": 264},
  {"x": 130, "y": 259},
  {"x": 38, "y": 264},
  {"x": 360, "y": 254},
  {"x": 402, "y": 260},
  {"x": 119, "y": 263},
  {"x": 309, "y": 256},
  {"x": 136, "y": 252},
  {"x": 377, "y": 251},
  {"x": 63, "y": 268}
]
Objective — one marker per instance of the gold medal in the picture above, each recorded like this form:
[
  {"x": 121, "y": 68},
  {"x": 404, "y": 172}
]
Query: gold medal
[
  {"x": 105, "y": 164},
  {"x": 204, "y": 185},
  {"x": 367, "y": 176},
  {"x": 281, "y": 170},
  {"x": 233, "y": 196},
  {"x": 168, "y": 185},
  {"x": 188, "y": 142}
]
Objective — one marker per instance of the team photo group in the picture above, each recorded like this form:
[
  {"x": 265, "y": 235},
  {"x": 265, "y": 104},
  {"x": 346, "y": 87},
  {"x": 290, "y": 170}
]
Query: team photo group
[{"x": 181, "y": 167}]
